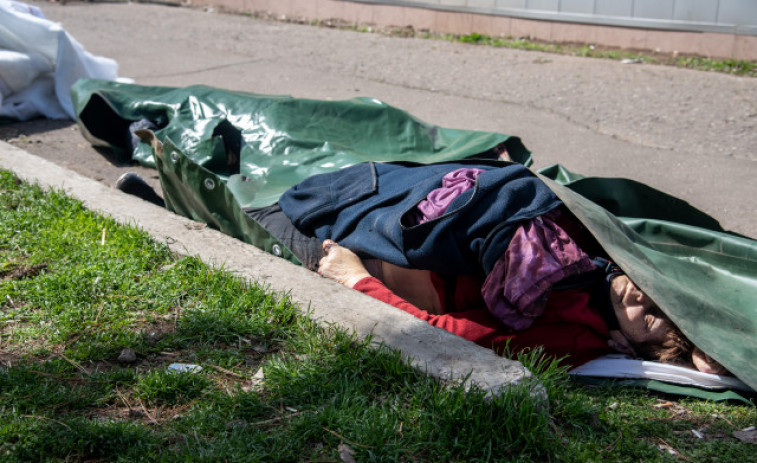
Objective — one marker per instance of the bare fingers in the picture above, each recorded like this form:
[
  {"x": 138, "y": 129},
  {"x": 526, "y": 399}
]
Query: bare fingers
[{"x": 341, "y": 265}]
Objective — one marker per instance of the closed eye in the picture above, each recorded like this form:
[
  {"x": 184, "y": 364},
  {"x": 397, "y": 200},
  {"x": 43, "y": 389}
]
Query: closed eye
[{"x": 650, "y": 319}]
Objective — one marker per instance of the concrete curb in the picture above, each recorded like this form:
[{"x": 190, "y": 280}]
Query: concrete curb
[{"x": 435, "y": 351}]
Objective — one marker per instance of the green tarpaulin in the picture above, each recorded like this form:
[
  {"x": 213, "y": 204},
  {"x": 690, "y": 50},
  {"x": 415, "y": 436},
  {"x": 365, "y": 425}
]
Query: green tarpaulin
[{"x": 224, "y": 151}]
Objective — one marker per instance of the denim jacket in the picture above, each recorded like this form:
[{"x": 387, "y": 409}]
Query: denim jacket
[{"x": 362, "y": 207}]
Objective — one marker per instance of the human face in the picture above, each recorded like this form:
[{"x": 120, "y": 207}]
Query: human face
[{"x": 640, "y": 320}]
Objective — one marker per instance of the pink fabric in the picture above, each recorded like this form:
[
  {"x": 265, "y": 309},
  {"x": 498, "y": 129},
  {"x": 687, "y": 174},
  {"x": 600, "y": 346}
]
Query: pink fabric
[
  {"x": 453, "y": 185},
  {"x": 540, "y": 254}
]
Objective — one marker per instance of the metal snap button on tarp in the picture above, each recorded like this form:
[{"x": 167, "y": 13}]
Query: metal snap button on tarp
[
  {"x": 276, "y": 250},
  {"x": 210, "y": 183},
  {"x": 174, "y": 156}
]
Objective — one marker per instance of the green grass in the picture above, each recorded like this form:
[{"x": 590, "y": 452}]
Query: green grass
[
  {"x": 729, "y": 66},
  {"x": 273, "y": 386}
]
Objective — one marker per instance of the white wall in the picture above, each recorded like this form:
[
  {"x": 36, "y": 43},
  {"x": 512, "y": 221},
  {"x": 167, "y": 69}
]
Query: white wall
[{"x": 726, "y": 16}]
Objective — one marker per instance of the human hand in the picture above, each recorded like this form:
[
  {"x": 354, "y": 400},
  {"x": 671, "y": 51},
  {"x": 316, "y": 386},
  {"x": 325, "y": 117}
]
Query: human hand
[
  {"x": 707, "y": 364},
  {"x": 619, "y": 343},
  {"x": 341, "y": 265}
]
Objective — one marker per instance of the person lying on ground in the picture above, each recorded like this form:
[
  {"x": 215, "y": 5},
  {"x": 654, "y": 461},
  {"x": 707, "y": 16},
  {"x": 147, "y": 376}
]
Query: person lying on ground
[
  {"x": 581, "y": 319},
  {"x": 569, "y": 325},
  {"x": 485, "y": 251}
]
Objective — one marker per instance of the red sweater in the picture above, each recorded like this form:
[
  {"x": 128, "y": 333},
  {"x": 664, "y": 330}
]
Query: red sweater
[{"x": 569, "y": 325}]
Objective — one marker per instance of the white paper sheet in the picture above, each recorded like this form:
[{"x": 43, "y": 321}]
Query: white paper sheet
[{"x": 621, "y": 366}]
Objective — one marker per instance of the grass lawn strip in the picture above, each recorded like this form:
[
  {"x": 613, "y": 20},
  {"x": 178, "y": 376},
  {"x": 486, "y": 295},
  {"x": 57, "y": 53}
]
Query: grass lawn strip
[{"x": 92, "y": 314}]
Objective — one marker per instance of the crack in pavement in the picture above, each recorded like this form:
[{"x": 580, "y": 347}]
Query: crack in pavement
[{"x": 200, "y": 70}]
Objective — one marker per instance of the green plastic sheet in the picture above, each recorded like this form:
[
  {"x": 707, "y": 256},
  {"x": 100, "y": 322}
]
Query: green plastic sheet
[
  {"x": 672, "y": 389},
  {"x": 226, "y": 151}
]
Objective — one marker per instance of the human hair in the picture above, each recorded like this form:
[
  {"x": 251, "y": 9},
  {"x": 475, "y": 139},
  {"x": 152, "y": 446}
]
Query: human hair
[{"x": 676, "y": 349}]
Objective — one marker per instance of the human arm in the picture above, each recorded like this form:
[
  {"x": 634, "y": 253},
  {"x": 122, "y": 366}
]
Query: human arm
[
  {"x": 569, "y": 326},
  {"x": 342, "y": 265}
]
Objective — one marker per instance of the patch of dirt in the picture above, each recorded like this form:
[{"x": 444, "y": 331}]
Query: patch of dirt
[
  {"x": 160, "y": 328},
  {"x": 19, "y": 354},
  {"x": 23, "y": 271},
  {"x": 128, "y": 407}
]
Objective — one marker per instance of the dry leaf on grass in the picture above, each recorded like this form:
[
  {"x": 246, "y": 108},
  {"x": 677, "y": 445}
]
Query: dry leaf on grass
[
  {"x": 346, "y": 453},
  {"x": 256, "y": 382},
  {"x": 748, "y": 435},
  {"x": 664, "y": 405}
]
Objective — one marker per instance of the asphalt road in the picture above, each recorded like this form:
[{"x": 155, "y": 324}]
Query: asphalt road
[{"x": 689, "y": 133}]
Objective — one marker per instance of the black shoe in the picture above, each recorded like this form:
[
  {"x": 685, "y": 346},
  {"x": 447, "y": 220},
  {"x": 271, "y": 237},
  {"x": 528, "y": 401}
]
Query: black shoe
[{"x": 133, "y": 184}]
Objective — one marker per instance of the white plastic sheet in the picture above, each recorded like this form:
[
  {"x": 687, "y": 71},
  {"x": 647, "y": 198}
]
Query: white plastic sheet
[
  {"x": 621, "y": 366},
  {"x": 39, "y": 62}
]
